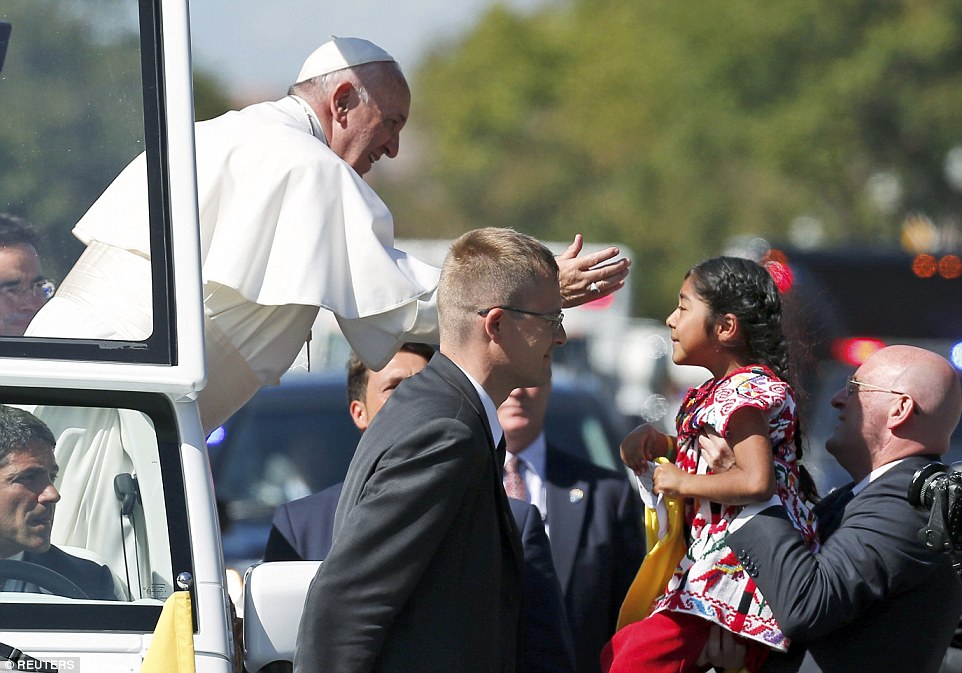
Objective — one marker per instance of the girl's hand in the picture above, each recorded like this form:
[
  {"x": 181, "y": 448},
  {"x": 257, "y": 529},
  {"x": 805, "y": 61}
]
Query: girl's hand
[
  {"x": 722, "y": 650},
  {"x": 642, "y": 445},
  {"x": 668, "y": 480}
]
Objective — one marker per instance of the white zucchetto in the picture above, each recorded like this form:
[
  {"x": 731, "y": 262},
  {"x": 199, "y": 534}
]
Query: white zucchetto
[{"x": 339, "y": 53}]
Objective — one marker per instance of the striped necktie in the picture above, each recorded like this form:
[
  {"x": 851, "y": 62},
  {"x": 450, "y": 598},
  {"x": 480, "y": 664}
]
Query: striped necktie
[{"x": 514, "y": 484}]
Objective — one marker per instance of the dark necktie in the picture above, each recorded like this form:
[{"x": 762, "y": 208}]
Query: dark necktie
[{"x": 830, "y": 516}]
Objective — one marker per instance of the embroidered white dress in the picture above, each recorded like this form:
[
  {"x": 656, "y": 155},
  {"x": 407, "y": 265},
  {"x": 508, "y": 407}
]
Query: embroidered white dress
[{"x": 710, "y": 581}]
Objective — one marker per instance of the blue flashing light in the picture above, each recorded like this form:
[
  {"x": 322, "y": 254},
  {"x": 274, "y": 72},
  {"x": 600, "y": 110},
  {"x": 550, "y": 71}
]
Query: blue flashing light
[
  {"x": 955, "y": 355},
  {"x": 217, "y": 436}
]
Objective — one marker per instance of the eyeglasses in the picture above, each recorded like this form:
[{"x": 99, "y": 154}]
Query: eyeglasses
[
  {"x": 554, "y": 318},
  {"x": 39, "y": 289},
  {"x": 854, "y": 385}
]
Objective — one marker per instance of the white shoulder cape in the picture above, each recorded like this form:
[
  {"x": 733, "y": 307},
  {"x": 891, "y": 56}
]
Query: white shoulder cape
[{"x": 283, "y": 219}]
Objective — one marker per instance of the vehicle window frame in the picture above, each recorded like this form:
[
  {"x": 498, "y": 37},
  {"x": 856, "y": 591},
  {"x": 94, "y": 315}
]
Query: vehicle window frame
[
  {"x": 161, "y": 346},
  {"x": 121, "y": 616}
]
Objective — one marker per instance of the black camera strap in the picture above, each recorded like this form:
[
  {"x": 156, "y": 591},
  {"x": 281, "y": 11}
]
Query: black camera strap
[{"x": 24, "y": 662}]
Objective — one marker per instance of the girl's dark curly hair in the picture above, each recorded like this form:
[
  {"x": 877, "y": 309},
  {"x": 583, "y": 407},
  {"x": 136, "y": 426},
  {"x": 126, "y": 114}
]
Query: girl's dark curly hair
[{"x": 746, "y": 290}]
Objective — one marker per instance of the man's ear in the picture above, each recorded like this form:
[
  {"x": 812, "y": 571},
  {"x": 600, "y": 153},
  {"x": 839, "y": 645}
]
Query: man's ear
[
  {"x": 341, "y": 102},
  {"x": 359, "y": 415},
  {"x": 728, "y": 330},
  {"x": 493, "y": 324},
  {"x": 900, "y": 411}
]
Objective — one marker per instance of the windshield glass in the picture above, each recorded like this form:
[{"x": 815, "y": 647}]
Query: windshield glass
[
  {"x": 99, "y": 530},
  {"x": 81, "y": 111}
]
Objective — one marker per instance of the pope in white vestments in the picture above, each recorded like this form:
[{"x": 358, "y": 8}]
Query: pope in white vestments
[{"x": 286, "y": 227}]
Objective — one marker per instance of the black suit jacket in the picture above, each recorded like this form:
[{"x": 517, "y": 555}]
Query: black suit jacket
[
  {"x": 94, "y": 579},
  {"x": 872, "y": 599},
  {"x": 548, "y": 646},
  {"x": 425, "y": 573},
  {"x": 597, "y": 541},
  {"x": 302, "y": 530}
]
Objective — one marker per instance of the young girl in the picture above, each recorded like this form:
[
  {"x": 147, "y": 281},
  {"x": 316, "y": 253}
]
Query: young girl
[{"x": 728, "y": 320}]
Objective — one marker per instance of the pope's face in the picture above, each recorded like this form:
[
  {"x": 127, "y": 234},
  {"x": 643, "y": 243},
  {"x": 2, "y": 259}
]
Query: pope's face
[
  {"x": 27, "y": 499},
  {"x": 372, "y": 129}
]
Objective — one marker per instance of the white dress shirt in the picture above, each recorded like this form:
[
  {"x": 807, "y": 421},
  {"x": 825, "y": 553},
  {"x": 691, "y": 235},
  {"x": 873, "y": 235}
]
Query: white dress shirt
[
  {"x": 751, "y": 510},
  {"x": 492, "y": 411}
]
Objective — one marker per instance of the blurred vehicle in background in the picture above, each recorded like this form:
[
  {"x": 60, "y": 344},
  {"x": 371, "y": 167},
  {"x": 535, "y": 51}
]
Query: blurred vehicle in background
[
  {"x": 849, "y": 303},
  {"x": 297, "y": 438}
]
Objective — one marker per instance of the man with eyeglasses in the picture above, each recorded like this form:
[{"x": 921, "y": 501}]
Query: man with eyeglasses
[
  {"x": 873, "y": 597},
  {"x": 23, "y": 289},
  {"x": 426, "y": 572}
]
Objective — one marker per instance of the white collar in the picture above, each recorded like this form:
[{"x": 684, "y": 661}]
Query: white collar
[
  {"x": 314, "y": 124},
  {"x": 873, "y": 475},
  {"x": 492, "y": 411},
  {"x": 535, "y": 455}
]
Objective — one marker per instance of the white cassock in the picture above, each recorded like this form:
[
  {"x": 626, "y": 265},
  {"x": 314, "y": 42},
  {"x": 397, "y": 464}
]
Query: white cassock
[{"x": 287, "y": 227}]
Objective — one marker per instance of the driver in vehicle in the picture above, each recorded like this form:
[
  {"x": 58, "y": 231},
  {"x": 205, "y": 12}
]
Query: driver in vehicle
[{"x": 28, "y": 498}]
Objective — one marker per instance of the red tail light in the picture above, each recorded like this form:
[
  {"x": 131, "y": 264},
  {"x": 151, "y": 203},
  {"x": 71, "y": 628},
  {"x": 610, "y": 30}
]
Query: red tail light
[{"x": 854, "y": 350}]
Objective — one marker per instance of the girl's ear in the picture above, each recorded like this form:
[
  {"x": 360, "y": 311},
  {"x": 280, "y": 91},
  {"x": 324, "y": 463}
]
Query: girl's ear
[{"x": 728, "y": 330}]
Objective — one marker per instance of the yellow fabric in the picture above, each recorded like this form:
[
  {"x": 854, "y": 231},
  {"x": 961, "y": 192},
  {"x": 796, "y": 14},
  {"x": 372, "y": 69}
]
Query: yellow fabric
[
  {"x": 664, "y": 554},
  {"x": 172, "y": 648},
  {"x": 660, "y": 562}
]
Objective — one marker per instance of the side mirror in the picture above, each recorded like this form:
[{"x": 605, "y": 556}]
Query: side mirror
[{"x": 4, "y": 39}]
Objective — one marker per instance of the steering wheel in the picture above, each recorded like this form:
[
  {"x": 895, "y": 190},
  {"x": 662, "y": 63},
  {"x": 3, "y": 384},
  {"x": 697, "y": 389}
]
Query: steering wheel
[{"x": 41, "y": 576}]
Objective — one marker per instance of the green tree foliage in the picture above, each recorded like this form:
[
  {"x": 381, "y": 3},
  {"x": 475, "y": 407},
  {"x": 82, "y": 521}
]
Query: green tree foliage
[
  {"x": 72, "y": 111},
  {"x": 672, "y": 127},
  {"x": 60, "y": 142}
]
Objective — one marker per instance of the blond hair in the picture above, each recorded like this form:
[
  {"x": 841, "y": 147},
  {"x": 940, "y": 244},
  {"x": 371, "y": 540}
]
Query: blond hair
[{"x": 489, "y": 267}]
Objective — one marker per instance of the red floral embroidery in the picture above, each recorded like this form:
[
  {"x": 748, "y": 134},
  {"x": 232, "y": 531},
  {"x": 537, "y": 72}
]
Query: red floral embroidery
[{"x": 710, "y": 581}]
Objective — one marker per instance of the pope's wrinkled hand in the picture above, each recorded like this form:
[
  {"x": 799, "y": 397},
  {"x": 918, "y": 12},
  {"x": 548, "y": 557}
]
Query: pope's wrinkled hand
[{"x": 591, "y": 276}]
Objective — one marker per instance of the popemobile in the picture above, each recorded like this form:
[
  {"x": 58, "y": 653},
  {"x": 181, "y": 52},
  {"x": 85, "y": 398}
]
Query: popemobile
[{"x": 85, "y": 87}]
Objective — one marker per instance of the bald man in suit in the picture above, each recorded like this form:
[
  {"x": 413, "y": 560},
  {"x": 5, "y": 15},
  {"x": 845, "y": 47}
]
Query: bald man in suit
[{"x": 873, "y": 597}]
